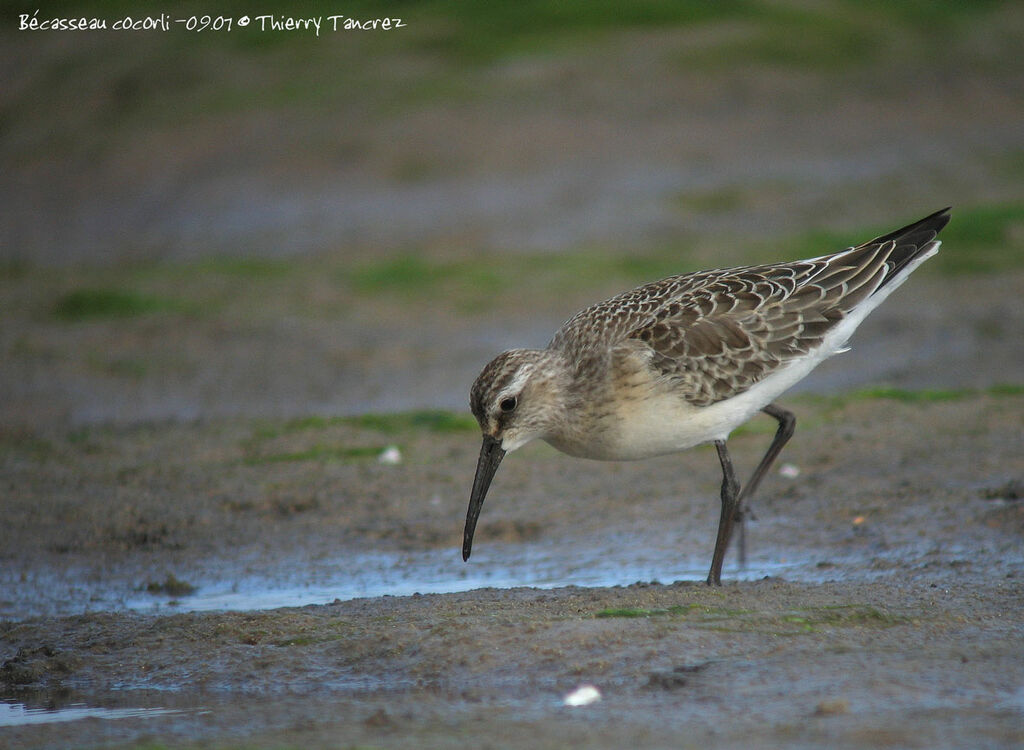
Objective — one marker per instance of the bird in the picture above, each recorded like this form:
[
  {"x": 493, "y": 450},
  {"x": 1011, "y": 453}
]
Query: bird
[{"x": 686, "y": 360}]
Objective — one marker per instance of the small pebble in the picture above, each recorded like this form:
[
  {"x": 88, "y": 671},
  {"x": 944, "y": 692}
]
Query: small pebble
[
  {"x": 390, "y": 455},
  {"x": 789, "y": 471},
  {"x": 584, "y": 695},
  {"x": 833, "y": 707}
]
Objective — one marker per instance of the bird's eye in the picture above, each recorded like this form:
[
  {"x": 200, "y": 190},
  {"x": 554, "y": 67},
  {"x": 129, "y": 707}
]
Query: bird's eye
[{"x": 508, "y": 404}]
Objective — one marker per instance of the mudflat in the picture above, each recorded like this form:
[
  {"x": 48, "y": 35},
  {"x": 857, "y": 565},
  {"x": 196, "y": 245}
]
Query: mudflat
[{"x": 895, "y": 619}]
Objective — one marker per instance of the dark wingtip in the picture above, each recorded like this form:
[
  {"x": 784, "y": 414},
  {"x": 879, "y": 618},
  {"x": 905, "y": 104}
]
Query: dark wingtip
[
  {"x": 917, "y": 234},
  {"x": 937, "y": 220}
]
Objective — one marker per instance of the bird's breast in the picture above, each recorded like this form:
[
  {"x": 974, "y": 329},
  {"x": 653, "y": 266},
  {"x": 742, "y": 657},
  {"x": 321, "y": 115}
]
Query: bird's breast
[{"x": 635, "y": 428}]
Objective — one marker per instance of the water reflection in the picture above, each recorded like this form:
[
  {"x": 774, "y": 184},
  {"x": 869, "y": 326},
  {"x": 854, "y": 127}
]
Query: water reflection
[
  {"x": 13, "y": 713},
  {"x": 269, "y": 581}
]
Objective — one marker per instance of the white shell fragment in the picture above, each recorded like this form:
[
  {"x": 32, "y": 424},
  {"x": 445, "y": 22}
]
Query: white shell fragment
[
  {"x": 789, "y": 471},
  {"x": 390, "y": 455},
  {"x": 584, "y": 695}
]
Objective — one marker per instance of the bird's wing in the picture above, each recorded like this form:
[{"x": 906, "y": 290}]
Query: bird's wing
[
  {"x": 717, "y": 333},
  {"x": 734, "y": 327}
]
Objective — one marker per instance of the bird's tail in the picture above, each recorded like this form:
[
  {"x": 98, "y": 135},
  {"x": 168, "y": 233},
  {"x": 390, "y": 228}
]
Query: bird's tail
[{"x": 913, "y": 242}]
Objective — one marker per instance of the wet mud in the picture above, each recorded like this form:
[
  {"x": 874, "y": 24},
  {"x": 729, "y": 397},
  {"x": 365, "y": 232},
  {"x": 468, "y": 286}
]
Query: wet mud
[{"x": 888, "y": 613}]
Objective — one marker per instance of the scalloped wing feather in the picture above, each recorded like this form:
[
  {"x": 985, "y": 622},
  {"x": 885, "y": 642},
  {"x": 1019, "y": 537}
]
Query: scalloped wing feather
[{"x": 714, "y": 334}]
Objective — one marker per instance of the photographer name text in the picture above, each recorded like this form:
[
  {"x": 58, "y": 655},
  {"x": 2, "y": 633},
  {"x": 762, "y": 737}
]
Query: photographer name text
[{"x": 167, "y": 22}]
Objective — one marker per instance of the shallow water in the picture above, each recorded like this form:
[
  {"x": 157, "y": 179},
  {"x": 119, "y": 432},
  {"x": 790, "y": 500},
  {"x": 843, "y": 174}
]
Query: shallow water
[
  {"x": 271, "y": 582},
  {"x": 279, "y": 581},
  {"x": 13, "y": 713},
  {"x": 433, "y": 572}
]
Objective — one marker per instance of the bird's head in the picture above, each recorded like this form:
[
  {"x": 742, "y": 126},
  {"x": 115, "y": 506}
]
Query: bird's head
[{"x": 519, "y": 396}]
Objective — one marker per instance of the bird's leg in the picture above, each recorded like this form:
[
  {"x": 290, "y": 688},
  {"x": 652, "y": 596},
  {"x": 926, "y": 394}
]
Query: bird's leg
[
  {"x": 730, "y": 503},
  {"x": 787, "y": 425}
]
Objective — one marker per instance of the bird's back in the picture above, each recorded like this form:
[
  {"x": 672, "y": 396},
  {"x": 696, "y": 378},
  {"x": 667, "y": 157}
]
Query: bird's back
[{"x": 714, "y": 334}]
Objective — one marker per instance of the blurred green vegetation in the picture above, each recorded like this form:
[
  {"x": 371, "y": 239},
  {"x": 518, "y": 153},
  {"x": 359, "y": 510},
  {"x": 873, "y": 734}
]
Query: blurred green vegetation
[
  {"x": 434, "y": 420},
  {"x": 983, "y": 239},
  {"x": 319, "y": 452},
  {"x": 431, "y": 420},
  {"x": 118, "y": 80},
  {"x": 471, "y": 281},
  {"x": 87, "y": 304},
  {"x": 170, "y": 586},
  {"x": 89, "y": 92},
  {"x": 336, "y": 445},
  {"x": 824, "y": 407},
  {"x": 911, "y": 396},
  {"x": 978, "y": 239},
  {"x": 798, "y": 622},
  {"x": 474, "y": 31}
]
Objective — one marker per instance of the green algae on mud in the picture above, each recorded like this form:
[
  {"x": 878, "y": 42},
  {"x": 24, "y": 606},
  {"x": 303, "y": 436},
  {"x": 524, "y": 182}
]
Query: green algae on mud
[
  {"x": 788, "y": 622},
  {"x": 171, "y": 586},
  {"x": 92, "y": 303}
]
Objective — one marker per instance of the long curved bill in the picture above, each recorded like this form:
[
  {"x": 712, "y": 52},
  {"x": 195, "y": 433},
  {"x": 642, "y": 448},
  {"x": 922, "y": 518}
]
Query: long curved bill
[{"x": 491, "y": 454}]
